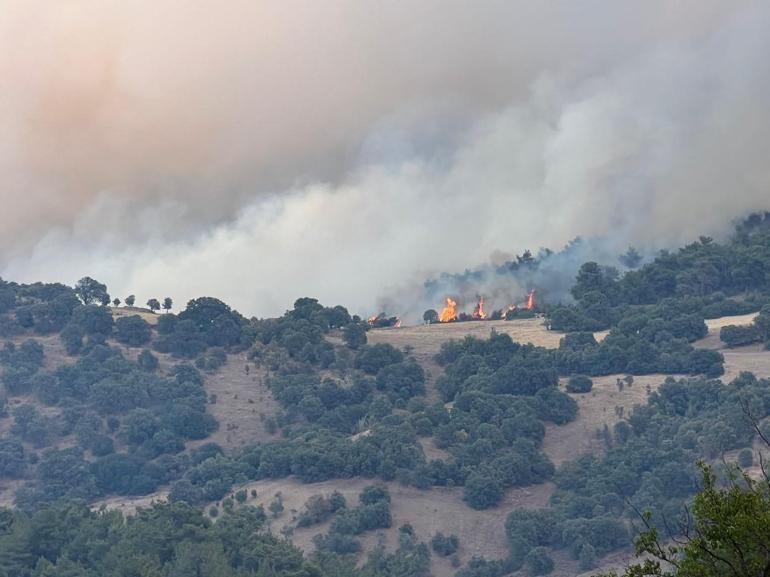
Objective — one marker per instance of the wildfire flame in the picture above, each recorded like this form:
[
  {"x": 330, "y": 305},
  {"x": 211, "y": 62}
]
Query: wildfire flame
[
  {"x": 478, "y": 311},
  {"x": 448, "y": 313},
  {"x": 531, "y": 300},
  {"x": 398, "y": 324},
  {"x": 372, "y": 320}
]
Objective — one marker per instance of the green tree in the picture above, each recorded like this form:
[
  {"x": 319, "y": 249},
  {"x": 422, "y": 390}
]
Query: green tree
[
  {"x": 130, "y": 300},
  {"x": 726, "y": 534},
  {"x": 91, "y": 291},
  {"x": 482, "y": 491},
  {"x": 354, "y": 335},
  {"x": 168, "y": 303},
  {"x": 116, "y": 302},
  {"x": 153, "y": 305},
  {"x": 430, "y": 316},
  {"x": 631, "y": 259},
  {"x": 133, "y": 331}
]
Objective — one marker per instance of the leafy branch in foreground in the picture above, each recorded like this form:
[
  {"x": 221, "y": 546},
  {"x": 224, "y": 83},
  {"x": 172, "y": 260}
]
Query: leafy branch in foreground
[{"x": 726, "y": 533}]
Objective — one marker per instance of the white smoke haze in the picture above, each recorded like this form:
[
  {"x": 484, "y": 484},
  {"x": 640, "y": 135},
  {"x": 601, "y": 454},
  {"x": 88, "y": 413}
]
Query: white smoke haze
[{"x": 263, "y": 151}]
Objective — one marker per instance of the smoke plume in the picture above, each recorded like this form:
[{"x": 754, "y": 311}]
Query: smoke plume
[{"x": 263, "y": 151}]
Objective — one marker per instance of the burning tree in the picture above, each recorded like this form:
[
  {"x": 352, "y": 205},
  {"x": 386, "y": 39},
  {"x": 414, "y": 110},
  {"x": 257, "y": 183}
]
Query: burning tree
[
  {"x": 449, "y": 312},
  {"x": 383, "y": 321},
  {"x": 478, "y": 310}
]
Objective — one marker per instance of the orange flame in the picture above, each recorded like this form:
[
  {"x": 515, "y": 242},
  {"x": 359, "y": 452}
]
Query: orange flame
[
  {"x": 478, "y": 311},
  {"x": 448, "y": 312},
  {"x": 531, "y": 300},
  {"x": 398, "y": 324},
  {"x": 372, "y": 320}
]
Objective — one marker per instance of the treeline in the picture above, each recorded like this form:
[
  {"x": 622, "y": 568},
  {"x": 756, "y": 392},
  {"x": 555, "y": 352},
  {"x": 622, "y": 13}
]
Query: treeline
[
  {"x": 703, "y": 275},
  {"x": 176, "y": 540}
]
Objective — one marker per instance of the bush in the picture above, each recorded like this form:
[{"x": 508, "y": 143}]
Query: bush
[
  {"x": 579, "y": 384},
  {"x": 739, "y": 335},
  {"x": 372, "y": 358},
  {"x": 746, "y": 458},
  {"x": 538, "y": 561},
  {"x": 132, "y": 331},
  {"x": 482, "y": 491},
  {"x": 443, "y": 545}
]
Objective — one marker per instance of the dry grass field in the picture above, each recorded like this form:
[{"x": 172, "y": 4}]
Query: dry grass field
[
  {"x": 602, "y": 406},
  {"x": 242, "y": 403},
  {"x": 427, "y": 339},
  {"x": 428, "y": 511},
  {"x": 146, "y": 314}
]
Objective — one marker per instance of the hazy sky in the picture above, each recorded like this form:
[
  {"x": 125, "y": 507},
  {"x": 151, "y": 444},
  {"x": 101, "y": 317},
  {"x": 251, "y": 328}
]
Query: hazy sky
[{"x": 262, "y": 151}]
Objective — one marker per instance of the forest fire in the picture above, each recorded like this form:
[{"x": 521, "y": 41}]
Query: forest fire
[
  {"x": 448, "y": 313},
  {"x": 382, "y": 321},
  {"x": 478, "y": 311},
  {"x": 531, "y": 300}
]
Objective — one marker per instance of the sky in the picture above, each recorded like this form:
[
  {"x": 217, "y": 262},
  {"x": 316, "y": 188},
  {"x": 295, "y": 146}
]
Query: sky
[{"x": 262, "y": 151}]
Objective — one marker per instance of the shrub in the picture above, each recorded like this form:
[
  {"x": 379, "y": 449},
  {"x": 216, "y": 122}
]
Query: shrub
[
  {"x": 538, "y": 562},
  {"x": 132, "y": 331},
  {"x": 443, "y": 545},
  {"x": 482, "y": 491},
  {"x": 746, "y": 458},
  {"x": 579, "y": 384},
  {"x": 738, "y": 335}
]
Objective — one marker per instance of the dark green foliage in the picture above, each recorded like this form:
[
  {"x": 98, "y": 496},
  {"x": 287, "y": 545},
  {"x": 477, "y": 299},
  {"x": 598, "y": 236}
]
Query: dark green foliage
[
  {"x": 12, "y": 458},
  {"x": 147, "y": 361},
  {"x": 132, "y": 331},
  {"x": 91, "y": 291},
  {"x": 373, "y": 358},
  {"x": 403, "y": 380},
  {"x": 212, "y": 360},
  {"x": 727, "y": 533},
  {"x": 72, "y": 338},
  {"x": 746, "y": 458},
  {"x": 738, "y": 335},
  {"x": 20, "y": 365},
  {"x": 319, "y": 508},
  {"x": 444, "y": 545},
  {"x": 170, "y": 539},
  {"x": 354, "y": 335},
  {"x": 579, "y": 384},
  {"x": 372, "y": 513},
  {"x": 482, "y": 491},
  {"x": 479, "y": 567},
  {"x": 538, "y": 562},
  {"x": 31, "y": 426},
  {"x": 166, "y": 324},
  {"x": 758, "y": 331},
  {"x": 186, "y": 340},
  {"x": 93, "y": 319},
  {"x": 219, "y": 325}
]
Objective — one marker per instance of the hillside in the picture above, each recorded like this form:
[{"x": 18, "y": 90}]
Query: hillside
[{"x": 478, "y": 448}]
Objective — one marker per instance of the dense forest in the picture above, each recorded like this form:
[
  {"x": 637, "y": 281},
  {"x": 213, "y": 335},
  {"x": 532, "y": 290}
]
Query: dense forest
[{"x": 108, "y": 405}]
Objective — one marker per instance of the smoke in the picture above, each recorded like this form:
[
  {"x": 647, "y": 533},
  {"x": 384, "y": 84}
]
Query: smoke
[{"x": 262, "y": 151}]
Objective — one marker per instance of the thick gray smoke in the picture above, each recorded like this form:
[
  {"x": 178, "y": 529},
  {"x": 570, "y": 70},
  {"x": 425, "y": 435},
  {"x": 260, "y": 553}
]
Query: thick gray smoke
[{"x": 262, "y": 151}]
